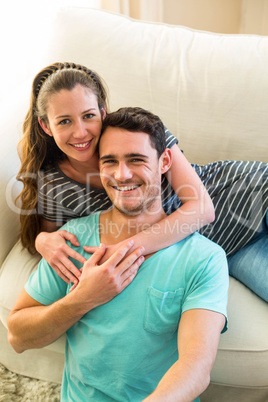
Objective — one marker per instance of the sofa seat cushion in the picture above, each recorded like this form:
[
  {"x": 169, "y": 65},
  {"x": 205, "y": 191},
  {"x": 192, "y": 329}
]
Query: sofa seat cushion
[
  {"x": 243, "y": 350},
  {"x": 14, "y": 273}
]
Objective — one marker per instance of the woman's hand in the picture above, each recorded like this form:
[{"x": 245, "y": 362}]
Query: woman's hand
[
  {"x": 100, "y": 283},
  {"x": 53, "y": 248}
]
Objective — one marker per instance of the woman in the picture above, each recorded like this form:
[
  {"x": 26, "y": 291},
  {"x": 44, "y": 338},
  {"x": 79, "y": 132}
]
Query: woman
[{"x": 61, "y": 131}]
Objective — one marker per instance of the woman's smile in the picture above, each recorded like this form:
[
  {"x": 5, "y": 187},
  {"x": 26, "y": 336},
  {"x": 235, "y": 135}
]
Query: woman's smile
[
  {"x": 81, "y": 146},
  {"x": 75, "y": 122}
]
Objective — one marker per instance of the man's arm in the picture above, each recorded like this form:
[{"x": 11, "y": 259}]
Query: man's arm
[
  {"x": 198, "y": 339},
  {"x": 34, "y": 325}
]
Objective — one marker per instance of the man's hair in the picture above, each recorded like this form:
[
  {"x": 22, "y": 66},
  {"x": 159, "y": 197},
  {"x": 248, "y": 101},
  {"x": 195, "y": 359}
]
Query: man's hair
[{"x": 136, "y": 119}]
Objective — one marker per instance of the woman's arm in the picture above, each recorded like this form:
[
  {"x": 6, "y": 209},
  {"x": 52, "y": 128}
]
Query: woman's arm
[{"x": 197, "y": 209}]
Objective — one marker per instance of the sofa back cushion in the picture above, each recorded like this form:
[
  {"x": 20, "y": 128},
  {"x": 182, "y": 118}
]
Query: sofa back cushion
[{"x": 211, "y": 90}]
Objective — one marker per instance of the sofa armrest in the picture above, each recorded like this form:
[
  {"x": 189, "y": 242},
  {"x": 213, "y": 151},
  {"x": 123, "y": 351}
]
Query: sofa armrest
[{"x": 13, "y": 110}]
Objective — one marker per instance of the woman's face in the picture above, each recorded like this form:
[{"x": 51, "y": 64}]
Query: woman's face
[{"x": 75, "y": 122}]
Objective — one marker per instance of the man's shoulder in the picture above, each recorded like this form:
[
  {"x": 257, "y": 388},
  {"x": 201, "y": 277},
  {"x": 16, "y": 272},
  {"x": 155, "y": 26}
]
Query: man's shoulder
[
  {"x": 199, "y": 246},
  {"x": 203, "y": 241},
  {"x": 198, "y": 240},
  {"x": 82, "y": 223}
]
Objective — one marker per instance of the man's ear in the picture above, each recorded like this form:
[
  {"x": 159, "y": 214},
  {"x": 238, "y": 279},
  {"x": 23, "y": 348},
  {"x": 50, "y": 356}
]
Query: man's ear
[
  {"x": 165, "y": 160},
  {"x": 45, "y": 127}
]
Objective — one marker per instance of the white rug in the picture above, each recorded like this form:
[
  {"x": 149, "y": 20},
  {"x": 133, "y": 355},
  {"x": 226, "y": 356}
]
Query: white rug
[{"x": 14, "y": 387}]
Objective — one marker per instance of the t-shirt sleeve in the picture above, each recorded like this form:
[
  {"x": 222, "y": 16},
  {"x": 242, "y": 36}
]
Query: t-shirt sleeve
[
  {"x": 170, "y": 139},
  {"x": 45, "y": 286},
  {"x": 209, "y": 289}
]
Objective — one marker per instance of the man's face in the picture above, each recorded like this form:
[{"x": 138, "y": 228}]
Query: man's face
[{"x": 130, "y": 171}]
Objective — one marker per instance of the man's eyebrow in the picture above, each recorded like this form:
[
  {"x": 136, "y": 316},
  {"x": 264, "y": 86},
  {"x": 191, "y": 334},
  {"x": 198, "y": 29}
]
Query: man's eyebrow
[{"x": 130, "y": 155}]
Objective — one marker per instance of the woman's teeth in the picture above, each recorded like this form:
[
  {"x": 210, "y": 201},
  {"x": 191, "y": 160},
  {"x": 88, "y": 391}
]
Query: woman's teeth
[{"x": 81, "y": 145}]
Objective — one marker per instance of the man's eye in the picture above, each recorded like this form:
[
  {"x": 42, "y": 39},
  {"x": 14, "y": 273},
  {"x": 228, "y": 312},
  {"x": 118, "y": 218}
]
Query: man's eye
[
  {"x": 108, "y": 162},
  {"x": 137, "y": 160}
]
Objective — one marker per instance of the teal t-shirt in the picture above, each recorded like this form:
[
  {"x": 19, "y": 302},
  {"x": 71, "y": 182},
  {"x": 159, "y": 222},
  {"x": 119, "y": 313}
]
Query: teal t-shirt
[{"x": 119, "y": 351}]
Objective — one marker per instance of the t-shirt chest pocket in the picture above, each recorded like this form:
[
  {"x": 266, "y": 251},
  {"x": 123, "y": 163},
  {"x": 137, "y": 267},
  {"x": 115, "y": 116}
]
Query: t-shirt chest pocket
[{"x": 162, "y": 311}]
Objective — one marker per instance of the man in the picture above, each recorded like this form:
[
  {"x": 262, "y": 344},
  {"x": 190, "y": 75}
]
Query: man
[{"x": 156, "y": 340}]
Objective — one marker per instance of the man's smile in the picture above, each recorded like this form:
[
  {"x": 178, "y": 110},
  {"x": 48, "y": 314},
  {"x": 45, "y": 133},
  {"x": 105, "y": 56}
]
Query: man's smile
[{"x": 126, "y": 187}]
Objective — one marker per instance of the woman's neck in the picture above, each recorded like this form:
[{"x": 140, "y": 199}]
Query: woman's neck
[{"x": 82, "y": 172}]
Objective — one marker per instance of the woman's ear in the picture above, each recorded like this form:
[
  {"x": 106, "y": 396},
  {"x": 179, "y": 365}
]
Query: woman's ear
[
  {"x": 165, "y": 160},
  {"x": 45, "y": 127},
  {"x": 103, "y": 112}
]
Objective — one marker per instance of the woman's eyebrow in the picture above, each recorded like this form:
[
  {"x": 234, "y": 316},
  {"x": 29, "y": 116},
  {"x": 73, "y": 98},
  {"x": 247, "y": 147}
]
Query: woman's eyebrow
[{"x": 68, "y": 115}]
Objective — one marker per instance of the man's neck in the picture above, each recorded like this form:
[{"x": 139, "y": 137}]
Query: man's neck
[{"x": 116, "y": 226}]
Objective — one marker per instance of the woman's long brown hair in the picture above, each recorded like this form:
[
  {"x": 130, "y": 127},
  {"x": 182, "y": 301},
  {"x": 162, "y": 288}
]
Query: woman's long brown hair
[{"x": 36, "y": 149}]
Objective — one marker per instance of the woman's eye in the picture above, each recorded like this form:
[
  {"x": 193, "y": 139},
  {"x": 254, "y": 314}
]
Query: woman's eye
[
  {"x": 88, "y": 116},
  {"x": 63, "y": 122}
]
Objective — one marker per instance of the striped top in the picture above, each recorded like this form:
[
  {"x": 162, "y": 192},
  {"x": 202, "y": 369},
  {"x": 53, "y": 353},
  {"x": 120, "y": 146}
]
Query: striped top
[{"x": 239, "y": 191}]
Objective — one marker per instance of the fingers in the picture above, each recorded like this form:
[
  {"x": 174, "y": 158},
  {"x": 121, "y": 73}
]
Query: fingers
[
  {"x": 75, "y": 255},
  {"x": 90, "y": 249},
  {"x": 65, "y": 272},
  {"x": 62, "y": 263},
  {"x": 118, "y": 256},
  {"x": 131, "y": 260},
  {"x": 73, "y": 286},
  {"x": 69, "y": 269},
  {"x": 128, "y": 280},
  {"x": 71, "y": 237},
  {"x": 130, "y": 273},
  {"x": 61, "y": 274},
  {"x": 97, "y": 256}
]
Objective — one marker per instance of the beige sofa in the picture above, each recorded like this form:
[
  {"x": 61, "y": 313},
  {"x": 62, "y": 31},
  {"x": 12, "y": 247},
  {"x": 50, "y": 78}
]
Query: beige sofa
[{"x": 211, "y": 91}]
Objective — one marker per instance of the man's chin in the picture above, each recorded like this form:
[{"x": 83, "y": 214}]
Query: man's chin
[{"x": 129, "y": 210}]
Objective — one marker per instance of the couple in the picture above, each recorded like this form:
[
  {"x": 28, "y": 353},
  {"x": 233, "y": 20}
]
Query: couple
[
  {"x": 59, "y": 148},
  {"x": 153, "y": 338}
]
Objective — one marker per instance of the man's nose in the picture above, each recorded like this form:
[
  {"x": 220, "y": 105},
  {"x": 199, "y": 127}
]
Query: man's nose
[{"x": 122, "y": 172}]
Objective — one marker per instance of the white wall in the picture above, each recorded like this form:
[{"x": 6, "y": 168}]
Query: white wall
[
  {"x": 254, "y": 18},
  {"x": 223, "y": 16},
  {"x": 20, "y": 18},
  {"x": 210, "y": 15}
]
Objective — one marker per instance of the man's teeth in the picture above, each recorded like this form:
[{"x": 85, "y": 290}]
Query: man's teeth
[
  {"x": 81, "y": 145},
  {"x": 126, "y": 188}
]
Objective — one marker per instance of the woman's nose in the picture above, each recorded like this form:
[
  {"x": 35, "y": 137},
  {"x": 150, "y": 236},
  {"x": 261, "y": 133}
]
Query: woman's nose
[{"x": 80, "y": 130}]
